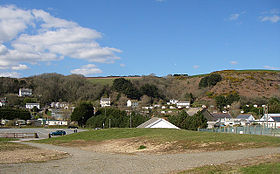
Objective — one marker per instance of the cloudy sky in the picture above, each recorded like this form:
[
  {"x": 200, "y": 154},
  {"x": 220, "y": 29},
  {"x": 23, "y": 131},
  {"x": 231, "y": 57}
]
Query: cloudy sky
[{"x": 137, "y": 37}]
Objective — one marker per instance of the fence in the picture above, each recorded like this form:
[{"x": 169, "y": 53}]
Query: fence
[
  {"x": 19, "y": 135},
  {"x": 257, "y": 130}
]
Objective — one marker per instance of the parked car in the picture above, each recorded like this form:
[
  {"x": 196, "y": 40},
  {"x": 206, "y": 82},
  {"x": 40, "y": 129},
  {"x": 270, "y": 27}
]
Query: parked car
[
  {"x": 58, "y": 132},
  {"x": 72, "y": 127}
]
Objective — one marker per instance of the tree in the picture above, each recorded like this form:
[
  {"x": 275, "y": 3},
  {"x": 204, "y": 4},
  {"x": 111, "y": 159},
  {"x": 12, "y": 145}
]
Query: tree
[
  {"x": 210, "y": 80},
  {"x": 178, "y": 120},
  {"x": 82, "y": 113}
]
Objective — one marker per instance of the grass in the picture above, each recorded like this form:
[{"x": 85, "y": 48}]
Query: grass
[
  {"x": 256, "y": 165},
  {"x": 191, "y": 140},
  {"x": 106, "y": 81},
  {"x": 5, "y": 145}
]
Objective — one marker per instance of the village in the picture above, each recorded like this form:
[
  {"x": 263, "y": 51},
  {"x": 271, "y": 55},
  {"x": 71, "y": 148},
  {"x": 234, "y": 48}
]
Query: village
[{"x": 59, "y": 113}]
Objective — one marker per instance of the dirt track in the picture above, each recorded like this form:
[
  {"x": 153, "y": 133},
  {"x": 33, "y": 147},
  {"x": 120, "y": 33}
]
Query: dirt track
[{"x": 81, "y": 162}]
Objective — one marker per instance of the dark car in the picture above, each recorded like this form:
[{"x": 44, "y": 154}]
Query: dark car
[
  {"x": 72, "y": 127},
  {"x": 58, "y": 132}
]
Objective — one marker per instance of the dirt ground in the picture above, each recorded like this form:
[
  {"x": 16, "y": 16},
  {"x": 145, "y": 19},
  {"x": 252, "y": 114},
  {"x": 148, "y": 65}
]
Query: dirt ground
[{"x": 30, "y": 155}]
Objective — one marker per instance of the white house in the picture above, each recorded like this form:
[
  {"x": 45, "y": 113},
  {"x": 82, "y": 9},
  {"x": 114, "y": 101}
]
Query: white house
[
  {"x": 104, "y": 102},
  {"x": 25, "y": 92},
  {"x": 32, "y": 105},
  {"x": 185, "y": 104},
  {"x": 59, "y": 105},
  {"x": 156, "y": 122},
  {"x": 245, "y": 119},
  {"x": 132, "y": 103},
  {"x": 56, "y": 123},
  {"x": 173, "y": 101},
  {"x": 3, "y": 101},
  {"x": 270, "y": 120}
]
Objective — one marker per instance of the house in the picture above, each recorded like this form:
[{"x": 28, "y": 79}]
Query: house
[
  {"x": 64, "y": 105},
  {"x": 245, "y": 119},
  {"x": 104, "y": 102},
  {"x": 25, "y": 92},
  {"x": 183, "y": 104},
  {"x": 156, "y": 122},
  {"x": 173, "y": 101},
  {"x": 56, "y": 123},
  {"x": 3, "y": 101},
  {"x": 218, "y": 118},
  {"x": 32, "y": 105},
  {"x": 270, "y": 120},
  {"x": 132, "y": 103}
]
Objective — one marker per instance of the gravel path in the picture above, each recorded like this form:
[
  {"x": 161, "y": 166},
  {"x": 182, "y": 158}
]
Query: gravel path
[{"x": 82, "y": 162}]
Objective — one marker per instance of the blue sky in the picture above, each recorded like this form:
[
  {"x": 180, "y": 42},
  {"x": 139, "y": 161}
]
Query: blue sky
[{"x": 137, "y": 37}]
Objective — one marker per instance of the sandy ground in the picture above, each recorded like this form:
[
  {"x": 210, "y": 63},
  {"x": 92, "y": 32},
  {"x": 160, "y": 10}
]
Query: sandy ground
[{"x": 30, "y": 155}]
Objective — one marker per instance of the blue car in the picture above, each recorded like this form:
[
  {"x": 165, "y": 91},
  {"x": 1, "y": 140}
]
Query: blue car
[{"x": 58, "y": 132}]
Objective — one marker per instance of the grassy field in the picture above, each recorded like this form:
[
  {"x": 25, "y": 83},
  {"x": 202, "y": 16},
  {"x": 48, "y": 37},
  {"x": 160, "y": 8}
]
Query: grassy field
[
  {"x": 108, "y": 80},
  {"x": 191, "y": 140},
  {"x": 256, "y": 165},
  {"x": 5, "y": 145}
]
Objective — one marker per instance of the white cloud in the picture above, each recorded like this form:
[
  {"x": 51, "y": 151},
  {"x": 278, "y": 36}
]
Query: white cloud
[
  {"x": 20, "y": 67},
  {"x": 85, "y": 70},
  {"x": 271, "y": 67},
  {"x": 270, "y": 16},
  {"x": 10, "y": 74},
  {"x": 273, "y": 19},
  {"x": 52, "y": 39},
  {"x": 234, "y": 16},
  {"x": 160, "y": 0},
  {"x": 233, "y": 62},
  {"x": 196, "y": 66},
  {"x": 122, "y": 65}
]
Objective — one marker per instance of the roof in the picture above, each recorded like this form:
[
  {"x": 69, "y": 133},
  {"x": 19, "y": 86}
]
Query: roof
[
  {"x": 105, "y": 99},
  {"x": 276, "y": 118},
  {"x": 208, "y": 115},
  {"x": 155, "y": 120},
  {"x": 221, "y": 115},
  {"x": 243, "y": 116},
  {"x": 193, "y": 111}
]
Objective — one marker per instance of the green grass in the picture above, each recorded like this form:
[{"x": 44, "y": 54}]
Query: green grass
[
  {"x": 266, "y": 168},
  {"x": 262, "y": 168},
  {"x": 5, "y": 145},
  {"x": 187, "y": 139},
  {"x": 106, "y": 81}
]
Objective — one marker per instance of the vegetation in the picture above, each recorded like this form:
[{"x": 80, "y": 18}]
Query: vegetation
[
  {"x": 11, "y": 114},
  {"x": 112, "y": 117},
  {"x": 82, "y": 113},
  {"x": 184, "y": 121},
  {"x": 261, "y": 164},
  {"x": 222, "y": 101},
  {"x": 210, "y": 80}
]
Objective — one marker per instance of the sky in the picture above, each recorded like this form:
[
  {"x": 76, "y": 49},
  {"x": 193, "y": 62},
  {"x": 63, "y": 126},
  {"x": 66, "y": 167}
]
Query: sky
[{"x": 137, "y": 37}]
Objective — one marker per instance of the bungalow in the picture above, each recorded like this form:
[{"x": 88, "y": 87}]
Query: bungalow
[
  {"x": 25, "y": 92},
  {"x": 132, "y": 103},
  {"x": 173, "y": 101},
  {"x": 56, "y": 123},
  {"x": 183, "y": 104},
  {"x": 245, "y": 119},
  {"x": 270, "y": 120},
  {"x": 156, "y": 122},
  {"x": 104, "y": 102},
  {"x": 3, "y": 101},
  {"x": 32, "y": 105}
]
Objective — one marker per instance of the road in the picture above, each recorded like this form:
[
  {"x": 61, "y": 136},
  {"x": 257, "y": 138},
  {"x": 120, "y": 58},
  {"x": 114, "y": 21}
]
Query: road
[
  {"x": 83, "y": 162},
  {"x": 42, "y": 132}
]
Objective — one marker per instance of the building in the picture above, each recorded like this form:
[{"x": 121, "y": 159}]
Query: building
[
  {"x": 3, "y": 101},
  {"x": 156, "y": 122},
  {"x": 245, "y": 119},
  {"x": 32, "y": 105},
  {"x": 64, "y": 105},
  {"x": 132, "y": 103},
  {"x": 56, "y": 123},
  {"x": 25, "y": 92},
  {"x": 183, "y": 104},
  {"x": 270, "y": 120},
  {"x": 104, "y": 102}
]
